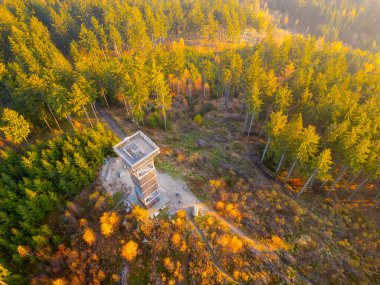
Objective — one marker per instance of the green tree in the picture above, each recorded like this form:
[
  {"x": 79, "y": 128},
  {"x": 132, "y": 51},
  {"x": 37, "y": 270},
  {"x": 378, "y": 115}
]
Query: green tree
[
  {"x": 274, "y": 128},
  {"x": 14, "y": 126},
  {"x": 322, "y": 165},
  {"x": 305, "y": 148},
  {"x": 178, "y": 61},
  {"x": 207, "y": 73},
  {"x": 161, "y": 91},
  {"x": 253, "y": 103}
]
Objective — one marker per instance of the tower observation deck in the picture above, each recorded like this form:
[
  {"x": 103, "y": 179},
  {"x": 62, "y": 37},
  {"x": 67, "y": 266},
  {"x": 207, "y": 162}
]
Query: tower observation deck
[{"x": 138, "y": 151}]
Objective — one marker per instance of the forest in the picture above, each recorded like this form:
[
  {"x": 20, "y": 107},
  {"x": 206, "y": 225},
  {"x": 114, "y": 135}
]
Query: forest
[
  {"x": 309, "y": 104},
  {"x": 354, "y": 22}
]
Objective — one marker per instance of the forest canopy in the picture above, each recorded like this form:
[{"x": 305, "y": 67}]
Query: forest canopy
[
  {"x": 35, "y": 183},
  {"x": 315, "y": 100}
]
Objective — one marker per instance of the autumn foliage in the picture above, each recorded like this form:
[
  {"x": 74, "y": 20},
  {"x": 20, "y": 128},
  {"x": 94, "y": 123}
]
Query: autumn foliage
[
  {"x": 109, "y": 222},
  {"x": 89, "y": 236},
  {"x": 129, "y": 250}
]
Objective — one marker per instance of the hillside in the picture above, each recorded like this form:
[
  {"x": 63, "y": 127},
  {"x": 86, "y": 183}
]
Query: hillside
[{"x": 276, "y": 136}]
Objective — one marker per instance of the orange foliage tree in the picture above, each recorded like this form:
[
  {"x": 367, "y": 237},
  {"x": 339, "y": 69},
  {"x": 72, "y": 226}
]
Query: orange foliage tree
[
  {"x": 130, "y": 250},
  {"x": 109, "y": 222},
  {"x": 89, "y": 236}
]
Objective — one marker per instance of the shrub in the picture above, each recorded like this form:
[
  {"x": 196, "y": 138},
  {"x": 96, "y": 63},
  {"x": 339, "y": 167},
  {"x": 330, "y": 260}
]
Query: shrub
[
  {"x": 198, "y": 119},
  {"x": 180, "y": 157}
]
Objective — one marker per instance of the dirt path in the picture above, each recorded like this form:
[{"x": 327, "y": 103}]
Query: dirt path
[
  {"x": 111, "y": 123},
  {"x": 232, "y": 227}
]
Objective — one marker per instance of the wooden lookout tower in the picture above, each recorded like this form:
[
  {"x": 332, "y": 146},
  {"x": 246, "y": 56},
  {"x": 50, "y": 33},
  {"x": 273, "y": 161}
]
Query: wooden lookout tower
[{"x": 138, "y": 152}]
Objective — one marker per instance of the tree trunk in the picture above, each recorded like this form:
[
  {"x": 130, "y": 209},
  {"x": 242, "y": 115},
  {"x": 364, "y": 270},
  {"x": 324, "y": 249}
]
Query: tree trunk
[
  {"x": 117, "y": 50},
  {"x": 322, "y": 185},
  {"x": 204, "y": 90},
  {"x": 307, "y": 183},
  {"x": 47, "y": 123},
  {"x": 280, "y": 162},
  {"x": 105, "y": 98},
  {"x": 94, "y": 111},
  {"x": 69, "y": 120},
  {"x": 165, "y": 122},
  {"x": 125, "y": 104},
  {"x": 217, "y": 93},
  {"x": 55, "y": 119},
  {"x": 225, "y": 97},
  {"x": 265, "y": 150},
  {"x": 88, "y": 118},
  {"x": 291, "y": 170},
  {"x": 351, "y": 181},
  {"x": 337, "y": 180},
  {"x": 266, "y": 119},
  {"x": 245, "y": 122},
  {"x": 178, "y": 86},
  {"x": 358, "y": 188},
  {"x": 312, "y": 182},
  {"x": 250, "y": 126}
]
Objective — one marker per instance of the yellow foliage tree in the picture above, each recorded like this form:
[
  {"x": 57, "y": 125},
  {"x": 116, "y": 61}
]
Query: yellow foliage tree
[
  {"x": 23, "y": 251},
  {"x": 59, "y": 281},
  {"x": 89, "y": 236},
  {"x": 176, "y": 239},
  {"x": 109, "y": 222},
  {"x": 181, "y": 214},
  {"x": 235, "y": 244},
  {"x": 169, "y": 264},
  {"x": 140, "y": 214},
  {"x": 129, "y": 250},
  {"x": 220, "y": 205}
]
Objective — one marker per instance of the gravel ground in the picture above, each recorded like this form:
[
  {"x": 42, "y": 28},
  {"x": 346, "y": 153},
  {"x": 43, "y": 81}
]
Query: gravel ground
[{"x": 175, "y": 189}]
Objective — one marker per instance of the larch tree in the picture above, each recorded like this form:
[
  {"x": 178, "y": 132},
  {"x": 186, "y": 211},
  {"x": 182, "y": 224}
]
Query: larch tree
[
  {"x": 161, "y": 92},
  {"x": 305, "y": 148},
  {"x": 80, "y": 96},
  {"x": 253, "y": 104},
  {"x": 321, "y": 167},
  {"x": 14, "y": 126},
  {"x": 274, "y": 128},
  {"x": 207, "y": 73},
  {"x": 178, "y": 61},
  {"x": 283, "y": 99},
  {"x": 290, "y": 139}
]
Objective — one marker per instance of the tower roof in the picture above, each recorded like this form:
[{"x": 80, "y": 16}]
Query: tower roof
[{"x": 136, "y": 150}]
